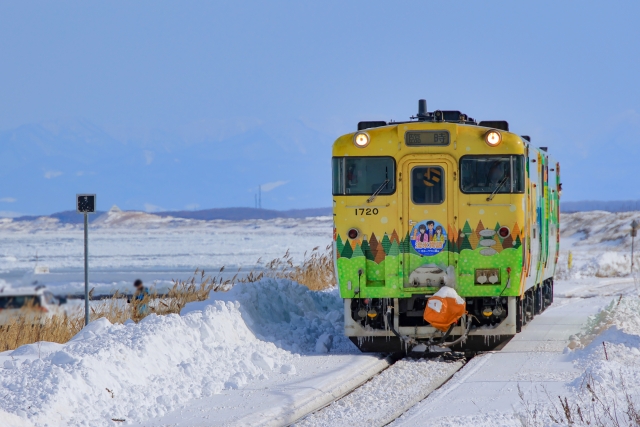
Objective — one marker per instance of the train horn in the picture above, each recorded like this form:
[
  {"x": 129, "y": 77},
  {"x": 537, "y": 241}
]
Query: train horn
[{"x": 422, "y": 108}]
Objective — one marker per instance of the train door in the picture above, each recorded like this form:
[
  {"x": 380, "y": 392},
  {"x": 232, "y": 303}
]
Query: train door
[
  {"x": 554, "y": 238},
  {"x": 546, "y": 205},
  {"x": 428, "y": 218},
  {"x": 535, "y": 222}
]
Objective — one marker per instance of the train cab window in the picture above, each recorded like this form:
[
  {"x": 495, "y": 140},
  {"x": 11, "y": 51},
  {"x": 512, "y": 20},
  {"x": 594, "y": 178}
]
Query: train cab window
[
  {"x": 364, "y": 175},
  {"x": 489, "y": 174},
  {"x": 427, "y": 185}
]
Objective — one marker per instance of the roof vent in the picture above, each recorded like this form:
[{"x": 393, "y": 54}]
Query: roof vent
[{"x": 495, "y": 124}]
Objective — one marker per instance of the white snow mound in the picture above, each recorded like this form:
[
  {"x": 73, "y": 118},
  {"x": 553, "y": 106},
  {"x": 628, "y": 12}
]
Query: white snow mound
[
  {"x": 290, "y": 315},
  {"x": 138, "y": 371}
]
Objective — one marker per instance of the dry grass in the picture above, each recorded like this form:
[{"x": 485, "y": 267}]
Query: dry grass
[
  {"x": 28, "y": 328},
  {"x": 597, "y": 405},
  {"x": 316, "y": 272}
]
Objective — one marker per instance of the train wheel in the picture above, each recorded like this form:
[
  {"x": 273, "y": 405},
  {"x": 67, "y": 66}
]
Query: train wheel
[
  {"x": 529, "y": 306},
  {"x": 547, "y": 294},
  {"x": 519, "y": 315},
  {"x": 538, "y": 300}
]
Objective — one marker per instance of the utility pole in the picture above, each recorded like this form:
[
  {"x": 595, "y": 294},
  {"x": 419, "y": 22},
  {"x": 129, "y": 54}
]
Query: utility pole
[
  {"x": 260, "y": 197},
  {"x": 634, "y": 232}
]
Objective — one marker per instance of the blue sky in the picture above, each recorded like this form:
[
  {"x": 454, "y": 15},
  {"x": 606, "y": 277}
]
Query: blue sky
[{"x": 159, "y": 82}]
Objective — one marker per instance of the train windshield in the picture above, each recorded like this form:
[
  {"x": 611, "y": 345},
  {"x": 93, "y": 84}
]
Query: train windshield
[
  {"x": 364, "y": 175},
  {"x": 489, "y": 174}
]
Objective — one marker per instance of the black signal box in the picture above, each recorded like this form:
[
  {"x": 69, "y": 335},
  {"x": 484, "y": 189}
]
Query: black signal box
[{"x": 85, "y": 203}]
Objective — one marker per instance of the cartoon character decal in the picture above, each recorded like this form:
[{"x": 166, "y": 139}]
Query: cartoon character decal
[{"x": 428, "y": 237}]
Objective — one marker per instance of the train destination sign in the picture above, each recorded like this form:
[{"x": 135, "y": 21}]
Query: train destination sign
[{"x": 426, "y": 137}]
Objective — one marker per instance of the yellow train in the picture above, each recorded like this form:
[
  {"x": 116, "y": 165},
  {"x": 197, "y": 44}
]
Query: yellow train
[{"x": 442, "y": 200}]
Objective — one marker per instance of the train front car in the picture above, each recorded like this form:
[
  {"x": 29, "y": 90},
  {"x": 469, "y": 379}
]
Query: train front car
[{"x": 442, "y": 206}]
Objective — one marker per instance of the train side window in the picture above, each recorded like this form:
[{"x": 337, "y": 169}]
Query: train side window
[
  {"x": 517, "y": 182},
  {"x": 338, "y": 175},
  {"x": 489, "y": 174},
  {"x": 427, "y": 185}
]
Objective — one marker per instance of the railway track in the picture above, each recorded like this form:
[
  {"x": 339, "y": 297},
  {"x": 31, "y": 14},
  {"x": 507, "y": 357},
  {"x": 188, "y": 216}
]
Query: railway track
[
  {"x": 388, "y": 394},
  {"x": 401, "y": 386}
]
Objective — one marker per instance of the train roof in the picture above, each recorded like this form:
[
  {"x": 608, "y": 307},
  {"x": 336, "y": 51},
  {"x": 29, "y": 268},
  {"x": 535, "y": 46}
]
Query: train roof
[{"x": 440, "y": 116}]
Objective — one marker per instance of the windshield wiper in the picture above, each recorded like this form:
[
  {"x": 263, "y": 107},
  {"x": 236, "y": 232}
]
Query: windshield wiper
[
  {"x": 490, "y": 198},
  {"x": 375, "y": 193}
]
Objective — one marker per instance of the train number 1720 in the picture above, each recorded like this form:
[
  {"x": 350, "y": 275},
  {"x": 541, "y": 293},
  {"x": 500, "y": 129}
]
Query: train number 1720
[{"x": 366, "y": 211}]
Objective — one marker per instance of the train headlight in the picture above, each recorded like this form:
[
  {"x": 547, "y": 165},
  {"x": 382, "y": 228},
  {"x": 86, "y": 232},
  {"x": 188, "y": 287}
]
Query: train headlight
[
  {"x": 493, "y": 137},
  {"x": 361, "y": 139}
]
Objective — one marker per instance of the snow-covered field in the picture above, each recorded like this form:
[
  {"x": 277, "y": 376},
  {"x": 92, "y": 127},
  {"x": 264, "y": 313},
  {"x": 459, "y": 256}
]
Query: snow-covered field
[
  {"x": 268, "y": 353},
  {"x": 124, "y": 246},
  {"x": 600, "y": 243}
]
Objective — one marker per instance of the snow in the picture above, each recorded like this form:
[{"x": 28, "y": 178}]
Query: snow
[
  {"x": 280, "y": 399},
  {"x": 288, "y": 315},
  {"x": 600, "y": 243},
  {"x": 143, "y": 371},
  {"x": 273, "y": 352}
]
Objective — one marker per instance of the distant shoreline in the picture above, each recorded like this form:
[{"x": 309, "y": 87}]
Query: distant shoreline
[{"x": 233, "y": 214}]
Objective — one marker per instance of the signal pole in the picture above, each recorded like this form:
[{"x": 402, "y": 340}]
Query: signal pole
[
  {"x": 86, "y": 269},
  {"x": 86, "y": 204},
  {"x": 634, "y": 232}
]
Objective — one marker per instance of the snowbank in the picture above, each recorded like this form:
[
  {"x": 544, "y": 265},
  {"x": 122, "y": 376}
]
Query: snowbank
[
  {"x": 608, "y": 356},
  {"x": 287, "y": 314},
  {"x": 138, "y": 371}
]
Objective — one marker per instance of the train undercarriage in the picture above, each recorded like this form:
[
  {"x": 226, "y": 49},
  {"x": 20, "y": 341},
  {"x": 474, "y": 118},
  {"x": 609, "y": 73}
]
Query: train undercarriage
[{"x": 394, "y": 324}]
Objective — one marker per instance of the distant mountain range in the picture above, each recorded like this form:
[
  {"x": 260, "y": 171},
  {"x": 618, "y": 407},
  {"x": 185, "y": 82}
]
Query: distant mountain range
[
  {"x": 234, "y": 214},
  {"x": 240, "y": 213},
  {"x": 43, "y": 166},
  {"x": 247, "y": 213}
]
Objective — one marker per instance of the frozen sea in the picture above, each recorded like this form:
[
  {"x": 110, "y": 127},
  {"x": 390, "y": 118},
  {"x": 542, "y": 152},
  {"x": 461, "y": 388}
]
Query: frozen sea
[{"x": 124, "y": 246}]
